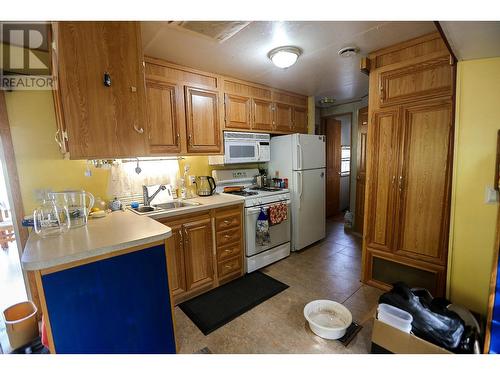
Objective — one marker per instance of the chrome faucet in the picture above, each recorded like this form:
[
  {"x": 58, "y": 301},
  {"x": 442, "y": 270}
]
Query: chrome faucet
[{"x": 147, "y": 199}]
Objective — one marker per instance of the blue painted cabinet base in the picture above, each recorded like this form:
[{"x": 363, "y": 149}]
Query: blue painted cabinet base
[{"x": 116, "y": 305}]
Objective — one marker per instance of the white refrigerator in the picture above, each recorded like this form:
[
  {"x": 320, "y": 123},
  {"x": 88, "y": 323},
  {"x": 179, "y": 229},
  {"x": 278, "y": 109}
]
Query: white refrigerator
[{"x": 301, "y": 159}]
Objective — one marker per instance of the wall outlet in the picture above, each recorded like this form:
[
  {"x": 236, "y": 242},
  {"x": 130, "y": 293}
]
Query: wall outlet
[
  {"x": 192, "y": 179},
  {"x": 490, "y": 195}
]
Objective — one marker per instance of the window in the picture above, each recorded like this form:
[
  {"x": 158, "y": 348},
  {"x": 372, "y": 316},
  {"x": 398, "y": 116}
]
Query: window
[{"x": 345, "y": 160}]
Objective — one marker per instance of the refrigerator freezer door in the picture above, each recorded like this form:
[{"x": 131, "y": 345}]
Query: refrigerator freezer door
[
  {"x": 308, "y": 151},
  {"x": 308, "y": 207}
]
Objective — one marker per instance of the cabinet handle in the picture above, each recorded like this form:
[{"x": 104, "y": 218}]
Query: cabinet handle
[
  {"x": 227, "y": 236},
  {"x": 138, "y": 130},
  {"x": 228, "y": 267},
  {"x": 190, "y": 140},
  {"x": 178, "y": 139},
  {"x": 107, "y": 79},
  {"x": 181, "y": 239},
  {"x": 400, "y": 183},
  {"x": 393, "y": 180},
  {"x": 227, "y": 222},
  {"x": 227, "y": 250},
  {"x": 57, "y": 139},
  {"x": 382, "y": 92}
]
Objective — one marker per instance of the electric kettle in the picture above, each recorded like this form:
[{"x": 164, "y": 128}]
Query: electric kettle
[{"x": 205, "y": 185}]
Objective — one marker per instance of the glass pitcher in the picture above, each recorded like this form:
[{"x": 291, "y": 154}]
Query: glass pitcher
[
  {"x": 79, "y": 203},
  {"x": 51, "y": 219}
]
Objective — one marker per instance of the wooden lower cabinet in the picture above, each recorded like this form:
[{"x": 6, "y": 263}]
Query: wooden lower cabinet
[
  {"x": 198, "y": 253},
  {"x": 204, "y": 251},
  {"x": 175, "y": 259}
]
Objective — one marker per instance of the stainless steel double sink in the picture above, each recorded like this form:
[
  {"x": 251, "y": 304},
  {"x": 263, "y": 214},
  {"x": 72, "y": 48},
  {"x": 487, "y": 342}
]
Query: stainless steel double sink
[{"x": 169, "y": 206}]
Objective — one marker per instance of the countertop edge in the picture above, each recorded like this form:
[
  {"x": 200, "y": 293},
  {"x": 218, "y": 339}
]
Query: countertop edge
[{"x": 38, "y": 266}]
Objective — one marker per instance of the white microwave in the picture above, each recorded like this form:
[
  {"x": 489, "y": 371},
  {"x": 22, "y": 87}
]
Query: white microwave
[{"x": 244, "y": 148}]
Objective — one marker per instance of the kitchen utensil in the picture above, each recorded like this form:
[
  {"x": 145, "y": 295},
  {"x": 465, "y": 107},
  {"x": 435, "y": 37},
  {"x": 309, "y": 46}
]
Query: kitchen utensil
[
  {"x": 230, "y": 189},
  {"x": 78, "y": 206},
  {"x": 51, "y": 218},
  {"x": 205, "y": 185}
]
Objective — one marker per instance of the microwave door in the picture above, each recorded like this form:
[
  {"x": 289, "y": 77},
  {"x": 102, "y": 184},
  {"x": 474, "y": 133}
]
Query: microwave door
[{"x": 240, "y": 152}]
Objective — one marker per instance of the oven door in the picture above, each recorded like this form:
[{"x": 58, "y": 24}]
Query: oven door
[
  {"x": 240, "y": 152},
  {"x": 279, "y": 233}
]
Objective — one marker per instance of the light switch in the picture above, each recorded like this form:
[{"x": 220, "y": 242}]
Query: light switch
[{"x": 491, "y": 195}]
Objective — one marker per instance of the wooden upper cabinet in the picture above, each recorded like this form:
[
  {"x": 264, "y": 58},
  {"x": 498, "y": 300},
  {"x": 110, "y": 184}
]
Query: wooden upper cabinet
[
  {"x": 262, "y": 115},
  {"x": 384, "y": 166},
  {"x": 237, "y": 111},
  {"x": 176, "y": 262},
  {"x": 425, "y": 80},
  {"x": 282, "y": 117},
  {"x": 102, "y": 98},
  {"x": 198, "y": 253},
  {"x": 299, "y": 120},
  {"x": 164, "y": 117},
  {"x": 423, "y": 182},
  {"x": 202, "y": 120}
]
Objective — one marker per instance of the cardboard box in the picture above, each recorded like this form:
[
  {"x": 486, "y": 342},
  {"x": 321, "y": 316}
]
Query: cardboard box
[{"x": 387, "y": 339}]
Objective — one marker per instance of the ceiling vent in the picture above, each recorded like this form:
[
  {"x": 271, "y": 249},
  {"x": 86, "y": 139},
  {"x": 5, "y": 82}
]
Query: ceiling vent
[
  {"x": 215, "y": 30},
  {"x": 348, "y": 51}
]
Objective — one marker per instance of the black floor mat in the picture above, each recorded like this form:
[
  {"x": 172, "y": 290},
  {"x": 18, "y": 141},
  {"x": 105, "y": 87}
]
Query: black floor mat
[{"x": 221, "y": 305}]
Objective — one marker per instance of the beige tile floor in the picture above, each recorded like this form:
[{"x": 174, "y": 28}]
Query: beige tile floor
[{"x": 329, "y": 269}]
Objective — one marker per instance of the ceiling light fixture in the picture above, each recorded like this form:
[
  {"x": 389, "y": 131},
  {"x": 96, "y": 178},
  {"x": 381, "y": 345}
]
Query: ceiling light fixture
[
  {"x": 284, "y": 57},
  {"x": 326, "y": 101},
  {"x": 348, "y": 51}
]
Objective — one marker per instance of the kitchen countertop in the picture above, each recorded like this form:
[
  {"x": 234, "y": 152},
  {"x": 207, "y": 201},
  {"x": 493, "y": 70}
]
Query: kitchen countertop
[
  {"x": 206, "y": 203},
  {"x": 118, "y": 230}
]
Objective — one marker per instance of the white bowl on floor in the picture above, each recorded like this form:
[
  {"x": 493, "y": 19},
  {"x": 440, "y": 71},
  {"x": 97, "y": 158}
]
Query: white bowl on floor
[{"x": 327, "y": 319}]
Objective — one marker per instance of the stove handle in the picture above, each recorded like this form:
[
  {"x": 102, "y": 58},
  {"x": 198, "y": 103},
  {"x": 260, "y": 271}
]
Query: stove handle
[{"x": 253, "y": 210}]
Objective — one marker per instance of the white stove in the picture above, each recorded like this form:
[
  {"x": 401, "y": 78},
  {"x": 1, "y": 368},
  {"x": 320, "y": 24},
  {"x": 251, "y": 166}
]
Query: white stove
[{"x": 257, "y": 199}]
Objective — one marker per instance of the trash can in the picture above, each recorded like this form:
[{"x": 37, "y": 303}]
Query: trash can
[{"x": 20, "y": 323}]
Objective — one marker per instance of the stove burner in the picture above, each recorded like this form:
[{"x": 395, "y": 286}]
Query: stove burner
[{"x": 243, "y": 193}]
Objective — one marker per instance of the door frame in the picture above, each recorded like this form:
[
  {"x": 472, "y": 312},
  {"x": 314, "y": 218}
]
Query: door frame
[
  {"x": 322, "y": 129},
  {"x": 7, "y": 155}
]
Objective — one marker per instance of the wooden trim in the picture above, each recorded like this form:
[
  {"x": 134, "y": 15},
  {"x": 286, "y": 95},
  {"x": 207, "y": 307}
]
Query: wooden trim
[
  {"x": 405, "y": 44},
  {"x": 96, "y": 258},
  {"x": 496, "y": 182},
  {"x": 493, "y": 287},
  {"x": 446, "y": 42},
  {"x": 14, "y": 188},
  {"x": 43, "y": 303},
  {"x": 365, "y": 65},
  {"x": 171, "y": 296}
]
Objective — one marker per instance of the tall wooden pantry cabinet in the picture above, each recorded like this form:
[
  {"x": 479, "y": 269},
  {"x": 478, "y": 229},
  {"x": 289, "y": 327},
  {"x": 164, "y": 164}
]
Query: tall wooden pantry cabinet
[{"x": 410, "y": 149}]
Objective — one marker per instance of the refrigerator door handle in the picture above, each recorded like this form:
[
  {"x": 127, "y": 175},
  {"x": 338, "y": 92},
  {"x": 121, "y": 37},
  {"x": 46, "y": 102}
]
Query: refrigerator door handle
[
  {"x": 300, "y": 190},
  {"x": 300, "y": 154}
]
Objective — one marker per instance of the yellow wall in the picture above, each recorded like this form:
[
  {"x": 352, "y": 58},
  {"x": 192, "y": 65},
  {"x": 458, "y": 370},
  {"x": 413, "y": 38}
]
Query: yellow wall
[
  {"x": 40, "y": 165},
  {"x": 473, "y": 224}
]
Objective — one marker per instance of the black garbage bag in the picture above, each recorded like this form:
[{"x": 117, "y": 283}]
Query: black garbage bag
[{"x": 443, "y": 330}]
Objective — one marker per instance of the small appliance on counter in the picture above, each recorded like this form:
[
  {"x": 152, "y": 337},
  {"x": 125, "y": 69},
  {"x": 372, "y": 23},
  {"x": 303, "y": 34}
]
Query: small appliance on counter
[{"x": 205, "y": 185}]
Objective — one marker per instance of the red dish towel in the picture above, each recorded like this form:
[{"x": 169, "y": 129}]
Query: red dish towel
[{"x": 277, "y": 213}]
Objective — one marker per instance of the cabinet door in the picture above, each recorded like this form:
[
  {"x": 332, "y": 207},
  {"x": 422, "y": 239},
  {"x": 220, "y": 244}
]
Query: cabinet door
[
  {"x": 237, "y": 111},
  {"x": 423, "y": 182},
  {"x": 282, "y": 117},
  {"x": 202, "y": 120},
  {"x": 382, "y": 179},
  {"x": 198, "y": 253},
  {"x": 103, "y": 118},
  {"x": 299, "y": 120},
  {"x": 164, "y": 110},
  {"x": 175, "y": 259},
  {"x": 417, "y": 82},
  {"x": 262, "y": 114}
]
